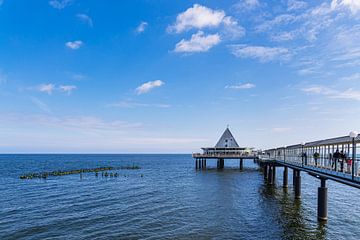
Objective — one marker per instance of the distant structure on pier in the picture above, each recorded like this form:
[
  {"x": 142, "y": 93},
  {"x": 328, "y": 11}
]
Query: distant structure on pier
[{"x": 225, "y": 148}]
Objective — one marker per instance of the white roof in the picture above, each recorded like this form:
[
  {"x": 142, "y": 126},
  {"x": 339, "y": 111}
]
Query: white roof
[{"x": 227, "y": 140}]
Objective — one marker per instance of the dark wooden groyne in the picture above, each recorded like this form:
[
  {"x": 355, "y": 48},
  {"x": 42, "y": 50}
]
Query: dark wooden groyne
[{"x": 44, "y": 175}]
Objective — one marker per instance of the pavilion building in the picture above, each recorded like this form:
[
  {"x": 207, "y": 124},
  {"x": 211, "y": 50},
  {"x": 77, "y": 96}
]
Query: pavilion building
[{"x": 225, "y": 148}]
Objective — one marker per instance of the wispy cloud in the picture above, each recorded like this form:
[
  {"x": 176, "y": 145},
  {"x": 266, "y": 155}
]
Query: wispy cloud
[
  {"x": 264, "y": 54},
  {"x": 59, "y": 4},
  {"x": 85, "y": 19},
  {"x": 50, "y": 88},
  {"x": 350, "y": 93},
  {"x": 148, "y": 86},
  {"x": 352, "y": 5},
  {"x": 47, "y": 88},
  {"x": 67, "y": 88},
  {"x": 241, "y": 86},
  {"x": 132, "y": 104},
  {"x": 41, "y": 105},
  {"x": 77, "y": 76},
  {"x": 246, "y": 5},
  {"x": 74, "y": 45},
  {"x": 280, "y": 129},
  {"x": 296, "y": 5},
  {"x": 141, "y": 27},
  {"x": 198, "y": 43}
]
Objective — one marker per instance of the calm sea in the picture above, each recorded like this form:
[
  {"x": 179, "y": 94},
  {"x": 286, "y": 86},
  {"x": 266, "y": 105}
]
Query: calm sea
[{"x": 166, "y": 199}]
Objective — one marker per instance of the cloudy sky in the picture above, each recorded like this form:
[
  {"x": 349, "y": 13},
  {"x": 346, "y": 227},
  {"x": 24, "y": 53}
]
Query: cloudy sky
[{"x": 168, "y": 76}]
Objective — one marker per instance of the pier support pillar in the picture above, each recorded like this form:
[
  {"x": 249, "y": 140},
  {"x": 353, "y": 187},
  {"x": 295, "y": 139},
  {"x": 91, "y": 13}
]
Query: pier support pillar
[
  {"x": 265, "y": 171},
  {"x": 285, "y": 177},
  {"x": 241, "y": 164},
  {"x": 205, "y": 163},
  {"x": 196, "y": 164},
  {"x": 297, "y": 184},
  {"x": 322, "y": 201},
  {"x": 274, "y": 173},
  {"x": 270, "y": 176},
  {"x": 294, "y": 175},
  {"x": 220, "y": 163}
]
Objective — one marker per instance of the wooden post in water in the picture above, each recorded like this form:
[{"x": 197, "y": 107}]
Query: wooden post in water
[
  {"x": 322, "y": 201},
  {"x": 205, "y": 163},
  {"x": 196, "y": 164}
]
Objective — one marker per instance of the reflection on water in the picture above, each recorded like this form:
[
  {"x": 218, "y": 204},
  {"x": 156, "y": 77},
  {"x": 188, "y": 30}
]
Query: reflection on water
[{"x": 171, "y": 200}]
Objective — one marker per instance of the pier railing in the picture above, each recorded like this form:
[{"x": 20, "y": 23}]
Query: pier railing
[
  {"x": 337, "y": 156},
  {"x": 224, "y": 155}
]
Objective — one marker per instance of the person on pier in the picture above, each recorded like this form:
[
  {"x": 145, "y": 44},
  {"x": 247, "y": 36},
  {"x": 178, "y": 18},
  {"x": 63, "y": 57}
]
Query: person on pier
[
  {"x": 316, "y": 157},
  {"x": 337, "y": 156}
]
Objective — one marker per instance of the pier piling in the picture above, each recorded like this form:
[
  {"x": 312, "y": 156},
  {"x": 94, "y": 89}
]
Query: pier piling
[
  {"x": 285, "y": 177},
  {"x": 241, "y": 164},
  {"x": 270, "y": 176},
  {"x": 265, "y": 171},
  {"x": 322, "y": 201},
  {"x": 274, "y": 173},
  {"x": 297, "y": 184}
]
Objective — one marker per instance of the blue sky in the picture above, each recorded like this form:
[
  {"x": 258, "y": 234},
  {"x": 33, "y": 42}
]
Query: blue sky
[{"x": 168, "y": 76}]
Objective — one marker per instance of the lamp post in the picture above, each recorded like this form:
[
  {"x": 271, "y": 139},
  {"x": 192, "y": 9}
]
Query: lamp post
[{"x": 353, "y": 135}]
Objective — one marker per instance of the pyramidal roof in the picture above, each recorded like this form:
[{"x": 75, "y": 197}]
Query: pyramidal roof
[{"x": 227, "y": 140}]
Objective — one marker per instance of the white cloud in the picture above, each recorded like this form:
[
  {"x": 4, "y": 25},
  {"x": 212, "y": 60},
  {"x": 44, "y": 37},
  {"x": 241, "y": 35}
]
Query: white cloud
[
  {"x": 148, "y": 86},
  {"x": 85, "y": 19},
  {"x": 198, "y": 43},
  {"x": 241, "y": 86},
  {"x": 142, "y": 26},
  {"x": 349, "y": 93},
  {"x": 246, "y": 5},
  {"x": 74, "y": 45},
  {"x": 47, "y": 88},
  {"x": 59, "y": 4},
  {"x": 132, "y": 104},
  {"x": 232, "y": 29},
  {"x": 296, "y": 5},
  {"x": 353, "y": 5},
  {"x": 264, "y": 54},
  {"x": 197, "y": 17},
  {"x": 67, "y": 88}
]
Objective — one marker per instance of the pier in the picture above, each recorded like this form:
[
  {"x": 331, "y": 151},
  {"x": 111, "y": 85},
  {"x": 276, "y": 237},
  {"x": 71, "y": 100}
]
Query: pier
[
  {"x": 335, "y": 159},
  {"x": 225, "y": 148}
]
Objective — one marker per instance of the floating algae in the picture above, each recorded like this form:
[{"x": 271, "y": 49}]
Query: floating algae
[{"x": 45, "y": 175}]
